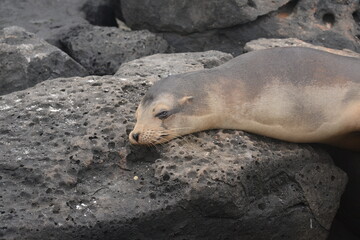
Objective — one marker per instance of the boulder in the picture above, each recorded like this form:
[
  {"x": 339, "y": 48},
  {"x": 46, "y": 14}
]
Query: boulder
[
  {"x": 26, "y": 60},
  {"x": 47, "y": 19},
  {"x": 188, "y": 16},
  {"x": 153, "y": 68},
  {"x": 68, "y": 171},
  {"x": 101, "y": 50},
  {"x": 333, "y": 24}
]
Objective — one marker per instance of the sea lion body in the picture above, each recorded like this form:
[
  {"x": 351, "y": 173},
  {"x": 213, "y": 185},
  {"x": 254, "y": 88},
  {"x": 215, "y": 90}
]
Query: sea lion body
[{"x": 294, "y": 94}]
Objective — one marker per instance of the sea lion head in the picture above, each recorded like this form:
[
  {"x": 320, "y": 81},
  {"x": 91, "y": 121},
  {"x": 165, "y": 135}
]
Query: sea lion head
[
  {"x": 171, "y": 108},
  {"x": 161, "y": 119}
]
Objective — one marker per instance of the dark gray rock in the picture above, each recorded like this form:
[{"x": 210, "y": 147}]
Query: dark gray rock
[
  {"x": 68, "y": 171},
  {"x": 26, "y": 60},
  {"x": 203, "y": 41},
  {"x": 101, "y": 50},
  {"x": 192, "y": 16},
  {"x": 153, "y": 68},
  {"x": 48, "y": 19},
  {"x": 334, "y": 24},
  {"x": 321, "y": 22},
  {"x": 348, "y": 216}
]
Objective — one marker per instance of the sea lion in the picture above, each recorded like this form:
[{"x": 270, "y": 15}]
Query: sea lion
[{"x": 293, "y": 94}]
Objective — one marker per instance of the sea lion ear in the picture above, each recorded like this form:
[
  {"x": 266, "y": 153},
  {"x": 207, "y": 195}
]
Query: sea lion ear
[{"x": 186, "y": 99}]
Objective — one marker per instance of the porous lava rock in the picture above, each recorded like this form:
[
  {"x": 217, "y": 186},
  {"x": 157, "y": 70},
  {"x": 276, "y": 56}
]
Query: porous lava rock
[
  {"x": 153, "y": 68},
  {"x": 26, "y": 60},
  {"x": 67, "y": 171},
  {"x": 188, "y": 16},
  {"x": 101, "y": 50},
  {"x": 333, "y": 24}
]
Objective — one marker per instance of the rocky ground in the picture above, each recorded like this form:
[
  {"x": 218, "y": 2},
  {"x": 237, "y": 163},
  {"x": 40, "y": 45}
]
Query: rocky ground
[{"x": 71, "y": 76}]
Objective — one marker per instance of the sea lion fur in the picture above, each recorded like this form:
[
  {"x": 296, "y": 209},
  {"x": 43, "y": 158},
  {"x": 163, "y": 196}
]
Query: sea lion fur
[{"x": 293, "y": 94}]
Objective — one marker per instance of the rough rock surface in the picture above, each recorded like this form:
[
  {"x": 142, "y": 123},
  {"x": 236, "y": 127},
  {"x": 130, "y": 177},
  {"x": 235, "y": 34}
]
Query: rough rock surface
[
  {"x": 26, "y": 60},
  {"x": 153, "y": 68},
  {"x": 334, "y": 24},
  {"x": 68, "y": 171},
  {"x": 265, "y": 43},
  {"x": 193, "y": 16},
  {"x": 101, "y": 50},
  {"x": 47, "y": 18}
]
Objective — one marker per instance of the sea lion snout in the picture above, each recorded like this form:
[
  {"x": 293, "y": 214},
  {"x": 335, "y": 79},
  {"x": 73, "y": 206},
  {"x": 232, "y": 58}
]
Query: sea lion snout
[
  {"x": 149, "y": 136},
  {"x": 135, "y": 136}
]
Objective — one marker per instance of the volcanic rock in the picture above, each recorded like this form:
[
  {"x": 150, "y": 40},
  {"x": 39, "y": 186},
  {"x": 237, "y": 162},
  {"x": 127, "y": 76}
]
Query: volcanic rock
[
  {"x": 101, "y": 50},
  {"x": 193, "y": 16},
  {"x": 153, "y": 68},
  {"x": 26, "y": 60},
  {"x": 68, "y": 171}
]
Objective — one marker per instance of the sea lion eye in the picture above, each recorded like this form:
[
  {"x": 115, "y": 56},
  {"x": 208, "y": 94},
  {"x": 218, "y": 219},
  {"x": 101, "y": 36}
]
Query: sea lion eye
[{"x": 162, "y": 115}]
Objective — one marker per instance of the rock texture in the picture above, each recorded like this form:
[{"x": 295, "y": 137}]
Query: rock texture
[
  {"x": 193, "y": 16},
  {"x": 101, "y": 50},
  {"x": 26, "y": 60},
  {"x": 334, "y": 24},
  {"x": 68, "y": 171},
  {"x": 48, "y": 19},
  {"x": 331, "y": 24},
  {"x": 155, "y": 67},
  {"x": 265, "y": 43},
  {"x": 196, "y": 25},
  {"x": 348, "y": 216}
]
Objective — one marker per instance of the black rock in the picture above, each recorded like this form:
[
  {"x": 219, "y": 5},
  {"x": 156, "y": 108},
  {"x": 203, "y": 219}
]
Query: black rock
[{"x": 101, "y": 12}]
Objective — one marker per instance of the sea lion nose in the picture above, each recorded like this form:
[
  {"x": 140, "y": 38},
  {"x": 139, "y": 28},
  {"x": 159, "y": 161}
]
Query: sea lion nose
[{"x": 135, "y": 136}]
